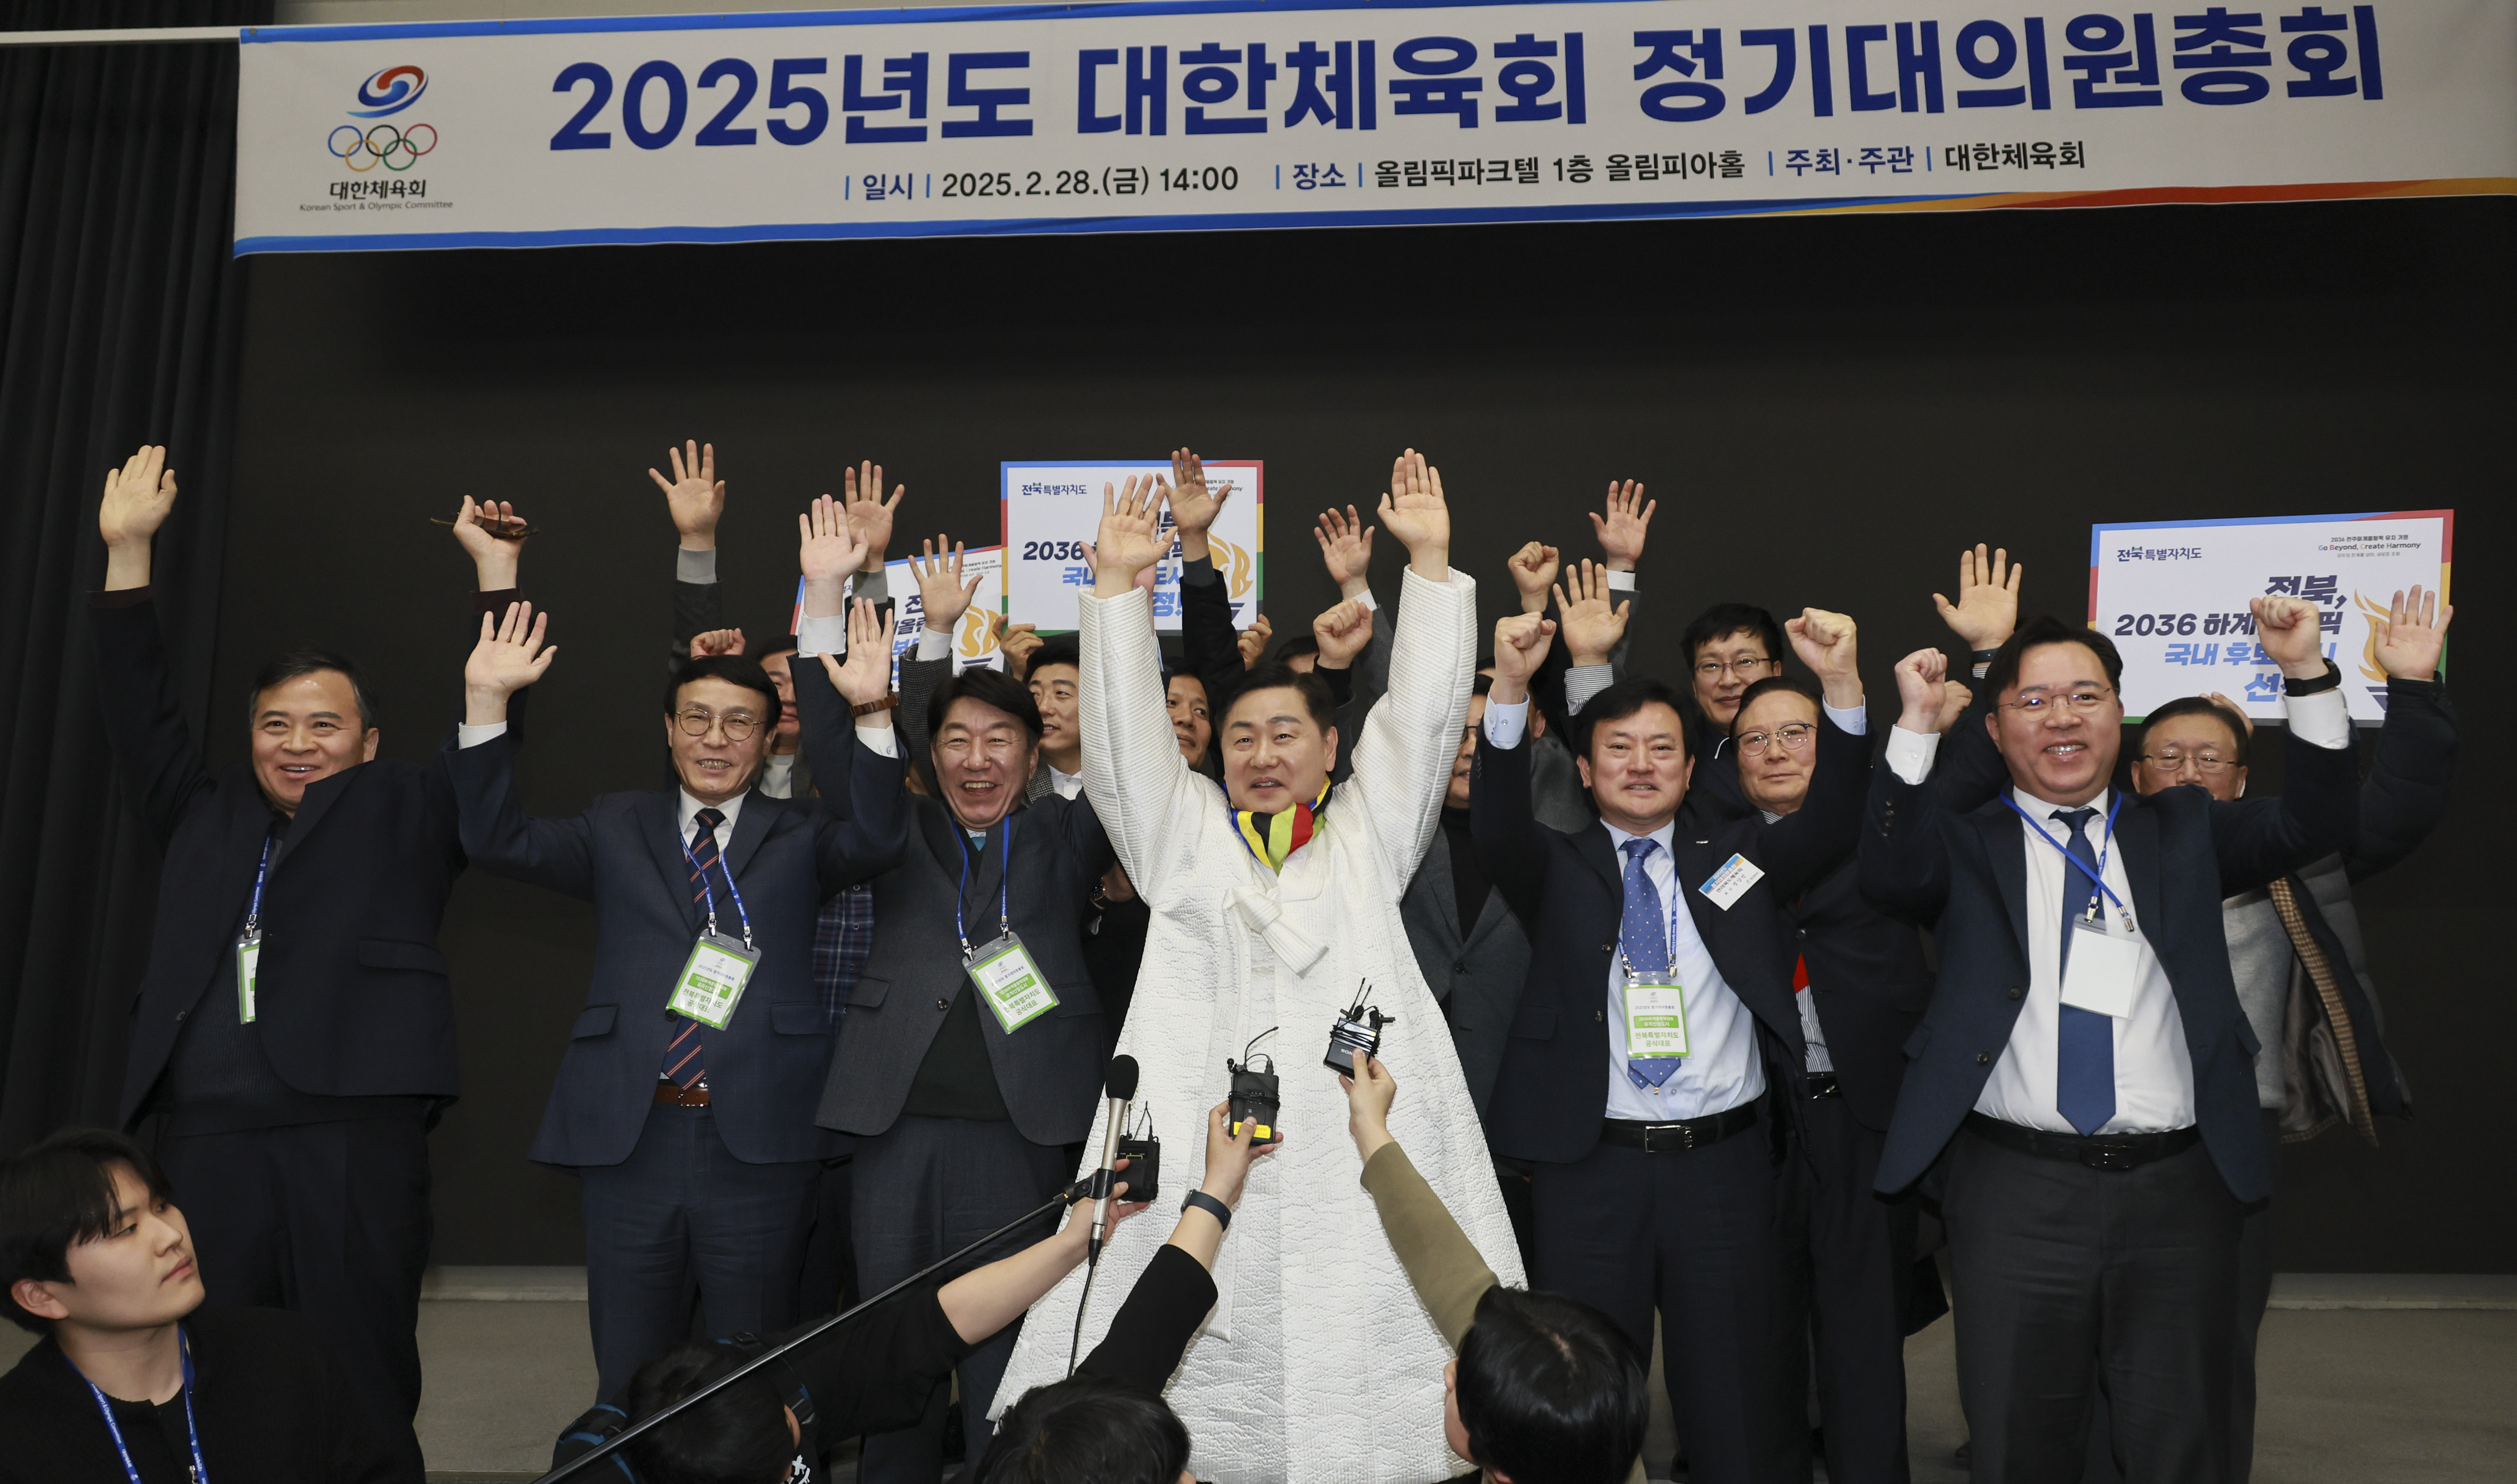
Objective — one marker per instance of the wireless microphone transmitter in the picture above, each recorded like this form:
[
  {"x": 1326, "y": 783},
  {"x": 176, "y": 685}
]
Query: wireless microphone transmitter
[
  {"x": 1359, "y": 1029},
  {"x": 1143, "y": 1153},
  {"x": 1255, "y": 1099}
]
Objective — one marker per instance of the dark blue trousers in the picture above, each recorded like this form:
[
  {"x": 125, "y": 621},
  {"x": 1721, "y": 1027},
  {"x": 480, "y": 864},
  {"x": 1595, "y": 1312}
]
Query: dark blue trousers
[{"x": 683, "y": 1222}]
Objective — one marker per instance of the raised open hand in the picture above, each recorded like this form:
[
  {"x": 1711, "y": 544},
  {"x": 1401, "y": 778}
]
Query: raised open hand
[
  {"x": 1415, "y": 512},
  {"x": 510, "y": 655},
  {"x": 1988, "y": 606},
  {"x": 942, "y": 596},
  {"x": 1131, "y": 540},
  {"x": 1533, "y": 571},
  {"x": 137, "y": 499},
  {"x": 1621, "y": 528},
  {"x": 1194, "y": 504},
  {"x": 2408, "y": 640},
  {"x": 1920, "y": 690},
  {"x": 1590, "y": 625},
  {"x": 1520, "y": 644},
  {"x": 2289, "y": 633},
  {"x": 1346, "y": 549},
  {"x": 1253, "y": 641},
  {"x": 869, "y": 513},
  {"x": 1825, "y": 641},
  {"x": 694, "y": 496},
  {"x": 716, "y": 642},
  {"x": 826, "y": 548},
  {"x": 1342, "y": 632},
  {"x": 865, "y": 675}
]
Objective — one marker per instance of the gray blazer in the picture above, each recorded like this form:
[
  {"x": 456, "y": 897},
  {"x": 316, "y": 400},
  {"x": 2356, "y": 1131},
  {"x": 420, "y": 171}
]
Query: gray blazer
[
  {"x": 1049, "y": 1070},
  {"x": 1477, "y": 978}
]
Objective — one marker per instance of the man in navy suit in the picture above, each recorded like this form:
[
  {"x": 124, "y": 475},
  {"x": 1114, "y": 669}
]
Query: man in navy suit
[
  {"x": 2081, "y": 1089},
  {"x": 688, "y": 1119},
  {"x": 1652, "y": 1160}
]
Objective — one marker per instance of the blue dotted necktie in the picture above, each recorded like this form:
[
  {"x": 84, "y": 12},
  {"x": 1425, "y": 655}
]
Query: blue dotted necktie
[
  {"x": 685, "y": 1059},
  {"x": 2084, "y": 1075},
  {"x": 1645, "y": 943}
]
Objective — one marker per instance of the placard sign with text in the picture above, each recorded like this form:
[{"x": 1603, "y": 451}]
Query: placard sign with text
[
  {"x": 1172, "y": 114},
  {"x": 2173, "y": 596},
  {"x": 1054, "y": 507},
  {"x": 974, "y": 645}
]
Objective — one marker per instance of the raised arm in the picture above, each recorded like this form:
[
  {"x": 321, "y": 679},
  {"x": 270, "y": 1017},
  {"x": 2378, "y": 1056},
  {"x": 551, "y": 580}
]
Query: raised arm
[
  {"x": 2405, "y": 796},
  {"x": 2319, "y": 807},
  {"x": 1969, "y": 771},
  {"x": 153, "y": 749},
  {"x": 1621, "y": 523},
  {"x": 498, "y": 835},
  {"x": 1210, "y": 646},
  {"x": 856, "y": 763},
  {"x": 1501, "y": 818},
  {"x": 695, "y": 499},
  {"x": 1346, "y": 549},
  {"x": 1904, "y": 867},
  {"x": 1152, "y": 1330},
  {"x": 1402, "y": 761},
  {"x": 1141, "y": 788},
  {"x": 1443, "y": 1266},
  {"x": 1806, "y": 844}
]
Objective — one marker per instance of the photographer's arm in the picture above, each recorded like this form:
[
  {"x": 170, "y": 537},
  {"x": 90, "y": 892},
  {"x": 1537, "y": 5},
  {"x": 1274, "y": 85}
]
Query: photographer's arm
[
  {"x": 1442, "y": 1264},
  {"x": 1152, "y": 1330}
]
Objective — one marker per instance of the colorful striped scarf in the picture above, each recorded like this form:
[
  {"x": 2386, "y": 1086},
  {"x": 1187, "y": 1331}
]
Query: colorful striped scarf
[{"x": 1272, "y": 837}]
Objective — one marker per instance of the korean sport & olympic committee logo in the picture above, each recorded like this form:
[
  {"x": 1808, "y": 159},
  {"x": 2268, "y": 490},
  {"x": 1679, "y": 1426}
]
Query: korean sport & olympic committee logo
[{"x": 394, "y": 146}]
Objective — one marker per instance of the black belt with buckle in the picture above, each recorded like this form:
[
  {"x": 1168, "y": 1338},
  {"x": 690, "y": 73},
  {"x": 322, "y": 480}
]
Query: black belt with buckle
[
  {"x": 1822, "y": 1085},
  {"x": 2112, "y": 1151},
  {"x": 1678, "y": 1137}
]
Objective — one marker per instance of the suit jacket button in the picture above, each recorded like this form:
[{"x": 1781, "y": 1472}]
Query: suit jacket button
[
  {"x": 1460, "y": 968},
  {"x": 2016, "y": 991},
  {"x": 1983, "y": 1058},
  {"x": 1800, "y": 932},
  {"x": 943, "y": 1004},
  {"x": 1607, "y": 948},
  {"x": 1599, "y": 1015}
]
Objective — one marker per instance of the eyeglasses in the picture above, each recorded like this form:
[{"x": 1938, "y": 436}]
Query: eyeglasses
[
  {"x": 2203, "y": 762},
  {"x": 2084, "y": 701},
  {"x": 738, "y": 726},
  {"x": 1794, "y": 735},
  {"x": 1743, "y": 669}
]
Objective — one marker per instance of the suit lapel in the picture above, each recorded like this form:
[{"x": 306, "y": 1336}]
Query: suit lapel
[
  {"x": 1593, "y": 846},
  {"x": 659, "y": 823},
  {"x": 2137, "y": 836},
  {"x": 2004, "y": 851},
  {"x": 760, "y": 816},
  {"x": 310, "y": 809}
]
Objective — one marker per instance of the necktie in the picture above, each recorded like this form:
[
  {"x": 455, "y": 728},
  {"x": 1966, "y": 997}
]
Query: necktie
[
  {"x": 1645, "y": 943},
  {"x": 2084, "y": 1075},
  {"x": 685, "y": 1059}
]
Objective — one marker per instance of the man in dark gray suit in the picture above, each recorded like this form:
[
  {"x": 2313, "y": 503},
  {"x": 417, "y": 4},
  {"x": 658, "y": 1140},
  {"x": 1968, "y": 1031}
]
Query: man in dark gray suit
[{"x": 963, "y": 1101}]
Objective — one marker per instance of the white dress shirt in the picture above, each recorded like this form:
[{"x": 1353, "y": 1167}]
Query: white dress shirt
[
  {"x": 1067, "y": 785},
  {"x": 2153, "y": 1069},
  {"x": 778, "y": 775}
]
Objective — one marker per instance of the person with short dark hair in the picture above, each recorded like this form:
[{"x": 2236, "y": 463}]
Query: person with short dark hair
[
  {"x": 1644, "y": 1073},
  {"x": 684, "y": 1103},
  {"x": 1544, "y": 1390},
  {"x": 293, "y": 1037},
  {"x": 2081, "y": 1093},
  {"x": 136, "y": 1379}
]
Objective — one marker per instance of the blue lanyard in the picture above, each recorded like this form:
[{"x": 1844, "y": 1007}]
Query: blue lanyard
[
  {"x": 1004, "y": 883},
  {"x": 253, "y": 908},
  {"x": 192, "y": 1433},
  {"x": 2098, "y": 876},
  {"x": 1677, "y": 899},
  {"x": 710, "y": 892}
]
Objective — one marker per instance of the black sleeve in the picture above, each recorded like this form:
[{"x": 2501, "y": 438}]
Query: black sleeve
[
  {"x": 2405, "y": 796},
  {"x": 1969, "y": 772},
  {"x": 918, "y": 680},
  {"x": 143, "y": 722},
  {"x": 2314, "y": 816},
  {"x": 697, "y": 607},
  {"x": 875, "y": 1373},
  {"x": 1503, "y": 821},
  {"x": 1339, "y": 679},
  {"x": 1210, "y": 646},
  {"x": 1154, "y": 1327}
]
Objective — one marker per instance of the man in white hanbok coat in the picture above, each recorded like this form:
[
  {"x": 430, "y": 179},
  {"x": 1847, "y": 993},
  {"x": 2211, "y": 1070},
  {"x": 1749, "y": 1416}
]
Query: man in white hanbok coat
[{"x": 1318, "y": 1361}]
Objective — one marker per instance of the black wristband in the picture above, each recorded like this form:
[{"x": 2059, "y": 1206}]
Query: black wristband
[
  {"x": 1201, "y": 1201},
  {"x": 2330, "y": 680}
]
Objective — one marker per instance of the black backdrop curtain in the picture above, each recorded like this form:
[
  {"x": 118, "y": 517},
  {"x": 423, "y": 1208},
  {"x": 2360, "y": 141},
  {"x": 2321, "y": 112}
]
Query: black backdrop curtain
[{"x": 119, "y": 318}]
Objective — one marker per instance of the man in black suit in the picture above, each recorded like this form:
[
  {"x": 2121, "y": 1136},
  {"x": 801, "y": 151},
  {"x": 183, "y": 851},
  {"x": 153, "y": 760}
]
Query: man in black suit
[
  {"x": 1647, "y": 1038},
  {"x": 295, "y": 1031},
  {"x": 964, "y": 1102},
  {"x": 684, "y": 1104},
  {"x": 1859, "y": 981},
  {"x": 2081, "y": 1087}
]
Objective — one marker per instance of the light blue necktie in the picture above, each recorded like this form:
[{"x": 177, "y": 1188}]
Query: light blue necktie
[
  {"x": 2084, "y": 1074},
  {"x": 1646, "y": 948}
]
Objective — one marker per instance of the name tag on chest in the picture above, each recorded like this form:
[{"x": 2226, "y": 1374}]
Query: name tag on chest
[
  {"x": 2104, "y": 966},
  {"x": 1016, "y": 992},
  {"x": 712, "y": 982},
  {"x": 1732, "y": 883},
  {"x": 1655, "y": 1011}
]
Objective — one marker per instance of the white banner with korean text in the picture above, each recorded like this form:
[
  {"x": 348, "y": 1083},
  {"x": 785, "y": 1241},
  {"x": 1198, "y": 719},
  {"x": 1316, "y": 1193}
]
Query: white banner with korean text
[
  {"x": 1171, "y": 114},
  {"x": 1053, "y": 508},
  {"x": 2173, "y": 596}
]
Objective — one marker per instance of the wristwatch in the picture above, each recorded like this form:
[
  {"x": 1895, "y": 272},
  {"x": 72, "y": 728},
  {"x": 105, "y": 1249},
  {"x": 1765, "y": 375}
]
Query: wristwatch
[
  {"x": 871, "y": 706},
  {"x": 1201, "y": 1201},
  {"x": 2330, "y": 680}
]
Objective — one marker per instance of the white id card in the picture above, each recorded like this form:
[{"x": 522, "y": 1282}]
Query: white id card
[
  {"x": 248, "y": 964},
  {"x": 1015, "y": 988},
  {"x": 1731, "y": 881},
  {"x": 1655, "y": 1016},
  {"x": 712, "y": 982},
  {"x": 2099, "y": 975}
]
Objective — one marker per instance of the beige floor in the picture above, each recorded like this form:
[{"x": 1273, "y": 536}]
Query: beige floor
[{"x": 2419, "y": 1396}]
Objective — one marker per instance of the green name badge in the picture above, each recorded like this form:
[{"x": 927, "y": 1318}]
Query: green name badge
[
  {"x": 1655, "y": 1016},
  {"x": 1015, "y": 989},
  {"x": 248, "y": 964},
  {"x": 712, "y": 982}
]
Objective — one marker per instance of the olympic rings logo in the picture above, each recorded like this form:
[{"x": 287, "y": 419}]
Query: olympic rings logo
[{"x": 380, "y": 144}]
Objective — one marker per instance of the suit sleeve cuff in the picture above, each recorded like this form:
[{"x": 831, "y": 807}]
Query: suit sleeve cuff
[
  {"x": 1584, "y": 681},
  {"x": 1505, "y": 722},
  {"x": 934, "y": 644},
  {"x": 873, "y": 586},
  {"x": 469, "y": 736},
  {"x": 1200, "y": 572},
  {"x": 1909, "y": 754},
  {"x": 494, "y": 601},
  {"x": 694, "y": 566},
  {"x": 883, "y": 740},
  {"x": 121, "y": 597},
  {"x": 1855, "y": 720},
  {"x": 2323, "y": 718},
  {"x": 824, "y": 635}
]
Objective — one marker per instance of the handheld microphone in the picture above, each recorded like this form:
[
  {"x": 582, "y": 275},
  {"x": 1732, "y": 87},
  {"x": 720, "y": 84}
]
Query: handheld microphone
[{"x": 1121, "y": 1090}]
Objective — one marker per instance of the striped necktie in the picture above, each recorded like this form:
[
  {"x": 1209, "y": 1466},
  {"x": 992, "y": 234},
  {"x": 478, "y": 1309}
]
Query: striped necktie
[{"x": 685, "y": 1059}]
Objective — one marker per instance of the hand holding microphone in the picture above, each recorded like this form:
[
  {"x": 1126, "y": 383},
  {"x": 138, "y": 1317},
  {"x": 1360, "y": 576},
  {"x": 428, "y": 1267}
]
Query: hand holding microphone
[{"x": 1120, "y": 1091}]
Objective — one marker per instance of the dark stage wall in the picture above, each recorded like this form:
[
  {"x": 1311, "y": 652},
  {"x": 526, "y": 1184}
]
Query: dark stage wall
[{"x": 1826, "y": 408}]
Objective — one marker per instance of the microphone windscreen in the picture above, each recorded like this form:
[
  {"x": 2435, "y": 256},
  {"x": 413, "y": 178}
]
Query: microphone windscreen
[{"x": 1123, "y": 1078}]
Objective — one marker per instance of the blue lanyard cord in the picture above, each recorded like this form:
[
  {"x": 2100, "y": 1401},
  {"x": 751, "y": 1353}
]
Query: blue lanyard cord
[
  {"x": 253, "y": 908},
  {"x": 2098, "y": 876},
  {"x": 191, "y": 1431},
  {"x": 1004, "y": 884},
  {"x": 710, "y": 892},
  {"x": 1677, "y": 900}
]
